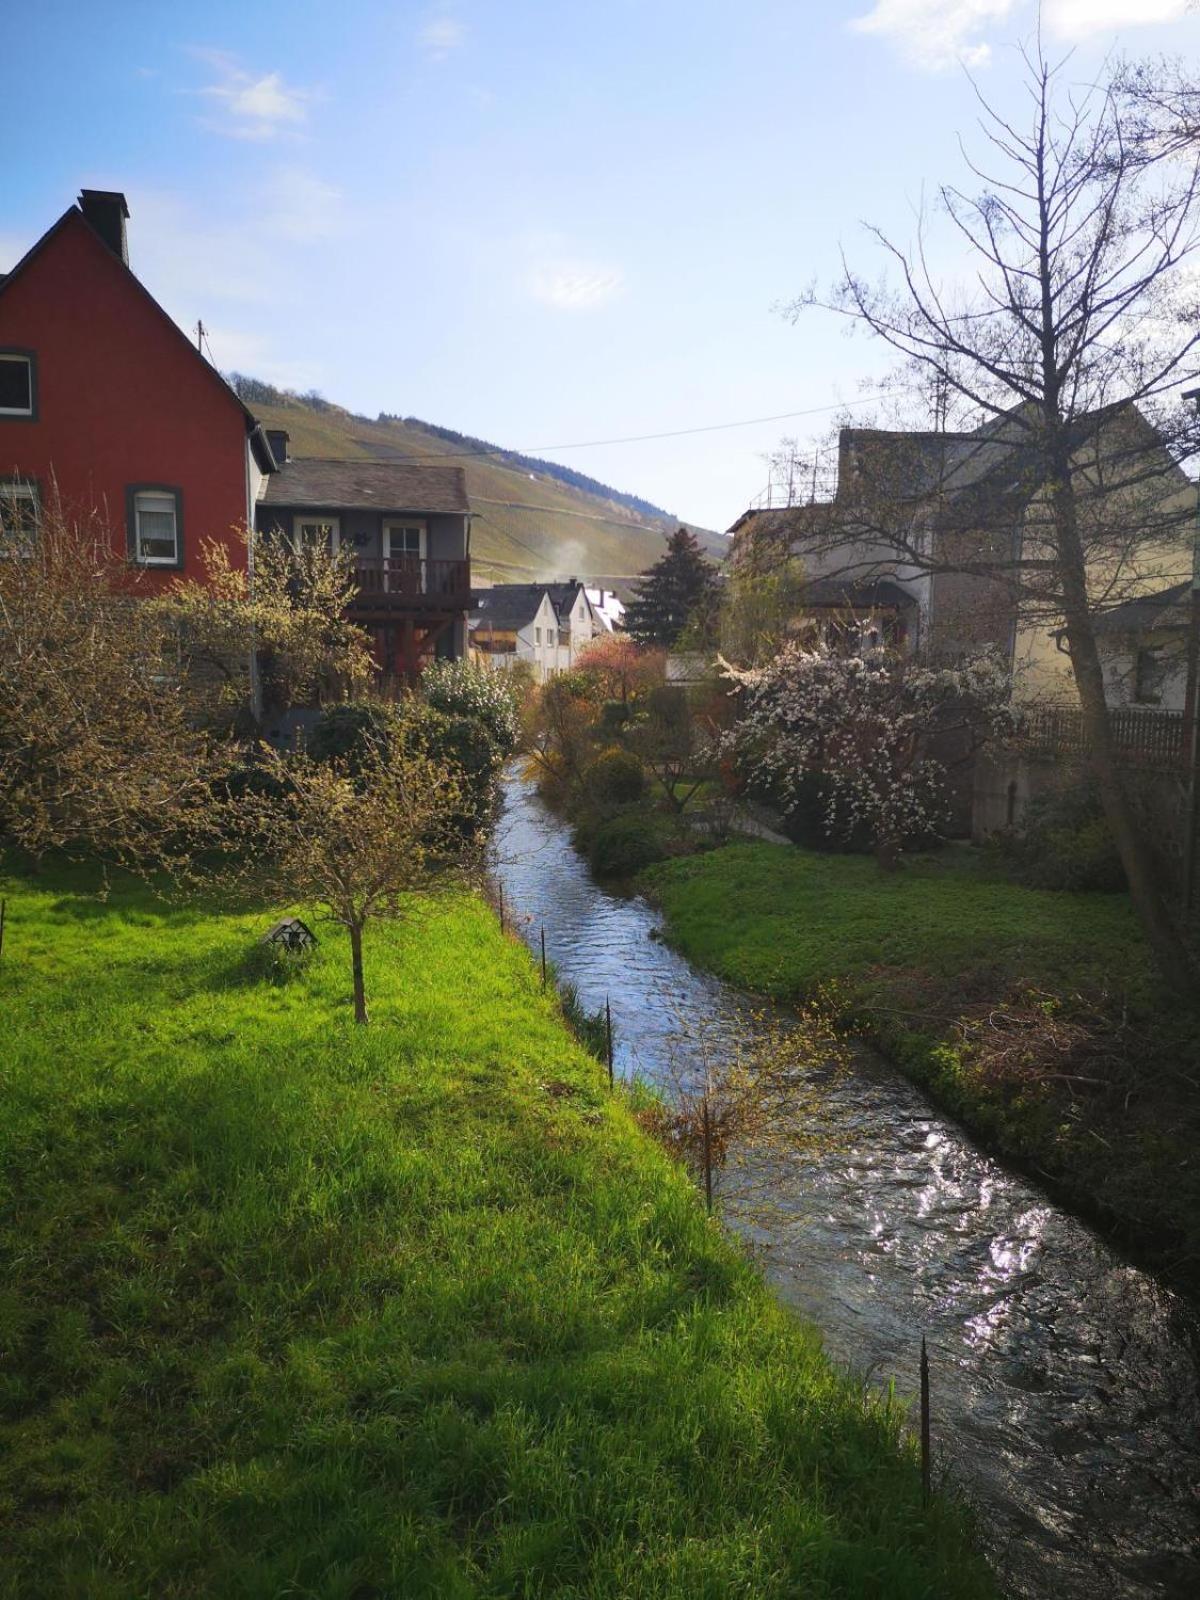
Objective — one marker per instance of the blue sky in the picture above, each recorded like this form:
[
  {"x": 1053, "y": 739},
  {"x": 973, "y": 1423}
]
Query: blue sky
[{"x": 542, "y": 223}]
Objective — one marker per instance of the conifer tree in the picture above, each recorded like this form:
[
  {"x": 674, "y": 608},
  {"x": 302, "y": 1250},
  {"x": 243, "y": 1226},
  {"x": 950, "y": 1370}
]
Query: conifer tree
[{"x": 678, "y": 590}]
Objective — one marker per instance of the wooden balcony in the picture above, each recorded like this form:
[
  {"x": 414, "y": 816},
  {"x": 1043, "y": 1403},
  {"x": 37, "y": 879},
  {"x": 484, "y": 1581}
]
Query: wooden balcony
[{"x": 399, "y": 584}]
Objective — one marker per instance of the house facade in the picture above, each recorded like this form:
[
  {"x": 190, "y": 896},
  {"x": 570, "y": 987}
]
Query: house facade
[
  {"x": 108, "y": 408},
  {"x": 546, "y": 625},
  {"x": 408, "y": 529}
]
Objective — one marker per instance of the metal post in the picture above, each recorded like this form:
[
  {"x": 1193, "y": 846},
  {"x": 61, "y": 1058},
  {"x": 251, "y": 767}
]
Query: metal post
[
  {"x": 925, "y": 1470},
  {"x": 707, "y": 1156},
  {"x": 608, "y": 1038},
  {"x": 4, "y": 910},
  {"x": 543, "y": 958},
  {"x": 501, "y": 887}
]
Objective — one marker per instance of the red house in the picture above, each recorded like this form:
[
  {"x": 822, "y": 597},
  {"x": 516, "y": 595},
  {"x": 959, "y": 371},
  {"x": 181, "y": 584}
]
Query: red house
[{"x": 105, "y": 402}]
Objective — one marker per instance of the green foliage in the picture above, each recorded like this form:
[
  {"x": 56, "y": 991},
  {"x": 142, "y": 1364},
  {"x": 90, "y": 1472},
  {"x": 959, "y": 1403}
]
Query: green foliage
[
  {"x": 679, "y": 591},
  {"x": 347, "y": 732},
  {"x": 615, "y": 778},
  {"x": 465, "y": 689},
  {"x": 625, "y": 845},
  {"x": 1065, "y": 842},
  {"x": 295, "y": 1308}
]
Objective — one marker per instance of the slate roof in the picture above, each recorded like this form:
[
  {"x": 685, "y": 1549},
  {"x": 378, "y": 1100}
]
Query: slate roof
[
  {"x": 366, "y": 486},
  {"x": 507, "y": 607},
  {"x": 1166, "y": 609}
]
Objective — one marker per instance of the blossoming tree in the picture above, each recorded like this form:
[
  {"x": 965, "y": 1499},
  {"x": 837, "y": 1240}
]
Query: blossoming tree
[{"x": 875, "y": 728}]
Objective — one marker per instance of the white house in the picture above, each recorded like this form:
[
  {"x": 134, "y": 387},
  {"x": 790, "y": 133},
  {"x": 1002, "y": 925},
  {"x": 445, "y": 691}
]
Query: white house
[{"x": 546, "y": 624}]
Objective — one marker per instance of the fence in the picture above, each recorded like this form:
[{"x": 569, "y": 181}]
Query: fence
[{"x": 1143, "y": 738}]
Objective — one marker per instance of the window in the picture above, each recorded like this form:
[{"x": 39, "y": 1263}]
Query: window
[
  {"x": 19, "y": 511},
  {"x": 18, "y": 386},
  {"x": 155, "y": 515},
  {"x": 314, "y": 532},
  {"x": 1150, "y": 674},
  {"x": 549, "y": 635}
]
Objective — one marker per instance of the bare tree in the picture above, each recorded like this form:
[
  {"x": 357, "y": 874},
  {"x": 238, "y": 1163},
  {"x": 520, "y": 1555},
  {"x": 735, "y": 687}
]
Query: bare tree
[
  {"x": 359, "y": 839},
  {"x": 1079, "y": 326}
]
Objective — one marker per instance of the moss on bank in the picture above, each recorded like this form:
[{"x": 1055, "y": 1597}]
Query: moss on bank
[
  {"x": 294, "y": 1307},
  {"x": 1033, "y": 1015}
]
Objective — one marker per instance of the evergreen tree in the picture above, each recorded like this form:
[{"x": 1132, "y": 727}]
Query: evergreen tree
[{"x": 678, "y": 590}]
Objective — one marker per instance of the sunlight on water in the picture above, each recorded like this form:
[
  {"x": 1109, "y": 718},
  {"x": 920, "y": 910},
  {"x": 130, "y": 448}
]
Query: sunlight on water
[{"x": 1066, "y": 1393}]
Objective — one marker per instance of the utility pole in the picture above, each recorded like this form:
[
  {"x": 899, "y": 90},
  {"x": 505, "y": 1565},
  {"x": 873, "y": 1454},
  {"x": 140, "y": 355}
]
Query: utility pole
[{"x": 200, "y": 337}]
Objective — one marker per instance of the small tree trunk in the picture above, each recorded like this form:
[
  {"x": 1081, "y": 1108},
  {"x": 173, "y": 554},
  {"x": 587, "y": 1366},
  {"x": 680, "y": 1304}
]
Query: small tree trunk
[{"x": 360, "y": 993}]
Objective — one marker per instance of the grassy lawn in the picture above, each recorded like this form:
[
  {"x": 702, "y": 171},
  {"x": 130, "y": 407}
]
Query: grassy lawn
[
  {"x": 1034, "y": 1015},
  {"x": 294, "y": 1308},
  {"x": 783, "y": 920}
]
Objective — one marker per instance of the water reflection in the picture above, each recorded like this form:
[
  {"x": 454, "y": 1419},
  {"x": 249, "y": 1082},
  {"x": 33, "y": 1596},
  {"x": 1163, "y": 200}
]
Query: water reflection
[{"x": 1066, "y": 1387}]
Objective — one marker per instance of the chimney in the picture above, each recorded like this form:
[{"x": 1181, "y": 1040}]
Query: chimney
[
  {"x": 106, "y": 210},
  {"x": 277, "y": 438}
]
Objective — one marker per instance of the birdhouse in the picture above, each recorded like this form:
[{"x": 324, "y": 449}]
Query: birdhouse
[{"x": 292, "y": 935}]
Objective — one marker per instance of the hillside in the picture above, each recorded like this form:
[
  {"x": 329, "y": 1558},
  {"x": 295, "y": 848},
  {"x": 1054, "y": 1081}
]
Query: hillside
[{"x": 527, "y": 524}]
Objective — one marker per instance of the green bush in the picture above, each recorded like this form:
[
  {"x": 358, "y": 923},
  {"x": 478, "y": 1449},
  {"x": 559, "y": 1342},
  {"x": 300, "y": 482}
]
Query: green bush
[
  {"x": 625, "y": 846},
  {"x": 1064, "y": 843},
  {"x": 615, "y": 778},
  {"x": 467, "y": 745},
  {"x": 464, "y": 689},
  {"x": 345, "y": 732}
]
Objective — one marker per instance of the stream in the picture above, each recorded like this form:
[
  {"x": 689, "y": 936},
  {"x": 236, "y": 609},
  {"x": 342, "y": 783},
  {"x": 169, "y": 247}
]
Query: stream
[{"x": 1065, "y": 1382}]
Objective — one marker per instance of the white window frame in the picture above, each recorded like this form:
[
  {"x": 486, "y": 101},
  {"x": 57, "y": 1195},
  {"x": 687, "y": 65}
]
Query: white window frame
[
  {"x": 315, "y": 520},
  {"x": 405, "y": 524},
  {"x": 176, "y": 558},
  {"x": 21, "y": 411},
  {"x": 18, "y": 489}
]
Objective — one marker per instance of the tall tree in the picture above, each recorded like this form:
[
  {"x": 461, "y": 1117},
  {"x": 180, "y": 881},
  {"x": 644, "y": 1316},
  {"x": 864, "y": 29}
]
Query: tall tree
[
  {"x": 1079, "y": 325},
  {"x": 678, "y": 590}
]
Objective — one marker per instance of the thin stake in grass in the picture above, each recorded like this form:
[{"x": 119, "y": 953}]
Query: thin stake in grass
[
  {"x": 925, "y": 1458},
  {"x": 608, "y": 1038},
  {"x": 501, "y": 887},
  {"x": 543, "y": 957},
  {"x": 4, "y": 910},
  {"x": 708, "y": 1184}
]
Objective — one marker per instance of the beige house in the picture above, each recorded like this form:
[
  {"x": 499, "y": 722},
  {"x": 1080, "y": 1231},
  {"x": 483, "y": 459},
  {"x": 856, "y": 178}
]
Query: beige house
[{"x": 546, "y": 625}]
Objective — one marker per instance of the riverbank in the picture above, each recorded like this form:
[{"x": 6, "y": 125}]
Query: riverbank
[
  {"x": 415, "y": 1309},
  {"x": 1034, "y": 1016}
]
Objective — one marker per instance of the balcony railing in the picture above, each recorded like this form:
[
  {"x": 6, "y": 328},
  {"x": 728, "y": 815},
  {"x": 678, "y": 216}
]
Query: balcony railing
[{"x": 399, "y": 581}]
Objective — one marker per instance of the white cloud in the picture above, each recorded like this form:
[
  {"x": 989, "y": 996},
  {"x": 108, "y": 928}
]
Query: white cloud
[
  {"x": 442, "y": 34},
  {"x": 936, "y": 33},
  {"x": 253, "y": 105},
  {"x": 575, "y": 285},
  {"x": 1075, "y": 19}
]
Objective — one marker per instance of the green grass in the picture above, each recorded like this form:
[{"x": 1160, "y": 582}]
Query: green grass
[
  {"x": 1111, "y": 1119},
  {"x": 784, "y": 920},
  {"x": 294, "y": 1308}
]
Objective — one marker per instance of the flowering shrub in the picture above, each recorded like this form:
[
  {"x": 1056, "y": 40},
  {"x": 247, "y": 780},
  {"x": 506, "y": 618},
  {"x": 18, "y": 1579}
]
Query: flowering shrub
[
  {"x": 464, "y": 689},
  {"x": 866, "y": 726}
]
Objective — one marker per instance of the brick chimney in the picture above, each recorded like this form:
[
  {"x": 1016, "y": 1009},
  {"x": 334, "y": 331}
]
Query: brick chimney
[{"x": 106, "y": 210}]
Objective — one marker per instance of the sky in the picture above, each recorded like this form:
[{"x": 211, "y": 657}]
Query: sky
[{"x": 547, "y": 224}]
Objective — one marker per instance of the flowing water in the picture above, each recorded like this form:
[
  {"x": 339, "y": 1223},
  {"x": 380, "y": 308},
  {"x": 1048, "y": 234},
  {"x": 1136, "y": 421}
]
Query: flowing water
[{"x": 1065, "y": 1382}]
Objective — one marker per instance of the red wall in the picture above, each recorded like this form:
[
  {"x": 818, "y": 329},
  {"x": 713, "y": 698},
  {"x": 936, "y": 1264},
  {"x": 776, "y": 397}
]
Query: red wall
[{"x": 121, "y": 398}]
